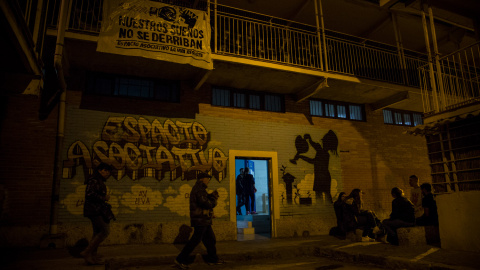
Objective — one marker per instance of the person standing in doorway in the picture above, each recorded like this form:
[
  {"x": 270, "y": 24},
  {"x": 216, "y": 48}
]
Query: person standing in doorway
[
  {"x": 201, "y": 214},
  {"x": 416, "y": 195},
  {"x": 97, "y": 210},
  {"x": 240, "y": 192},
  {"x": 250, "y": 190}
]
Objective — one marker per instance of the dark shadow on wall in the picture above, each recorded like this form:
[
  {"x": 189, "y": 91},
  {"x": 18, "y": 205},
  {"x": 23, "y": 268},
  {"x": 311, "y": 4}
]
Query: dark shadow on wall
[
  {"x": 78, "y": 247},
  {"x": 183, "y": 235},
  {"x": 322, "y": 178}
]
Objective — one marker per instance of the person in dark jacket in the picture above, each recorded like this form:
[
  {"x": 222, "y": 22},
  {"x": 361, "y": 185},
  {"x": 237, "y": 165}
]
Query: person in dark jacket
[
  {"x": 357, "y": 219},
  {"x": 240, "y": 192},
  {"x": 201, "y": 214},
  {"x": 97, "y": 210},
  {"x": 338, "y": 206},
  {"x": 430, "y": 214},
  {"x": 249, "y": 189},
  {"x": 403, "y": 215}
]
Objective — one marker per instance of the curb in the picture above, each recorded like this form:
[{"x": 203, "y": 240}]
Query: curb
[{"x": 290, "y": 252}]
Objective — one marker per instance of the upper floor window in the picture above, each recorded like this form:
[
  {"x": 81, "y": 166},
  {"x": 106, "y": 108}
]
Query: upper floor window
[
  {"x": 127, "y": 86},
  {"x": 249, "y": 100},
  {"x": 335, "y": 109},
  {"x": 402, "y": 118}
]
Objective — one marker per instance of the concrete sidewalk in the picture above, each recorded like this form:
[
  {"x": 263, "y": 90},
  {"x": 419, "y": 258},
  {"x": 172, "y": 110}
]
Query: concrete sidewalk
[{"x": 379, "y": 254}]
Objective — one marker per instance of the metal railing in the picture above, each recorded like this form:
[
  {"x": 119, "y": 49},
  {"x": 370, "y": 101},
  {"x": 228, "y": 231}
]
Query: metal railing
[
  {"x": 266, "y": 41},
  {"x": 455, "y": 83},
  {"x": 244, "y": 33}
]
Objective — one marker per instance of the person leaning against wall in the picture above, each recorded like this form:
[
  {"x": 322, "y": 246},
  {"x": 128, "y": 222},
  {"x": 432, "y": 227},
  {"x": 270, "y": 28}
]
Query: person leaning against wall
[
  {"x": 97, "y": 210},
  {"x": 416, "y": 195}
]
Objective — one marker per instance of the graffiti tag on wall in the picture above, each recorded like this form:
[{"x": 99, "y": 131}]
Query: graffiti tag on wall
[{"x": 139, "y": 148}]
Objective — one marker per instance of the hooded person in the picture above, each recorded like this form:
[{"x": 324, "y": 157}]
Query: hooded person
[{"x": 201, "y": 215}]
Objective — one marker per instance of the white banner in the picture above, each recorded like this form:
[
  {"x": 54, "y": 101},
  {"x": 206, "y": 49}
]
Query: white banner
[{"x": 156, "y": 30}]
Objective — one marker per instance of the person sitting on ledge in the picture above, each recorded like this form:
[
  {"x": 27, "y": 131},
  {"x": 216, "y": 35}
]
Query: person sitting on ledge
[{"x": 403, "y": 215}]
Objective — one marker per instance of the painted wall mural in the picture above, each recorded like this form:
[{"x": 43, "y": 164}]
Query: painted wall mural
[
  {"x": 156, "y": 158},
  {"x": 140, "y": 148},
  {"x": 322, "y": 180}
]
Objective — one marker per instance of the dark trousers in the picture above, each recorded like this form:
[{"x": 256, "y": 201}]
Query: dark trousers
[
  {"x": 100, "y": 227},
  {"x": 250, "y": 202},
  {"x": 368, "y": 220},
  {"x": 202, "y": 234},
  {"x": 240, "y": 203},
  {"x": 391, "y": 226}
]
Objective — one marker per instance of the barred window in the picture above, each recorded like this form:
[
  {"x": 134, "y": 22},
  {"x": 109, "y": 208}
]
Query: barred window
[
  {"x": 402, "y": 118},
  {"x": 129, "y": 86},
  {"x": 221, "y": 97},
  {"x": 247, "y": 99},
  {"x": 356, "y": 112},
  {"x": 336, "y": 109}
]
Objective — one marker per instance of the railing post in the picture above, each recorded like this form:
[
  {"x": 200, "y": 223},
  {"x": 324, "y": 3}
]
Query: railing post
[
  {"x": 318, "y": 35},
  {"x": 323, "y": 34},
  {"x": 430, "y": 65},
  {"x": 401, "y": 54},
  {"x": 216, "y": 26},
  {"x": 437, "y": 57}
]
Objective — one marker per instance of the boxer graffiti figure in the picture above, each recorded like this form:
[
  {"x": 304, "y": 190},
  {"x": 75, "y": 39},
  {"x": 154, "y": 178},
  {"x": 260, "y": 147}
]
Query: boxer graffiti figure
[{"x": 322, "y": 179}]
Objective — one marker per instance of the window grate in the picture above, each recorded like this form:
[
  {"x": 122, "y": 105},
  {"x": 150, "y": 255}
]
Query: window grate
[
  {"x": 402, "y": 118},
  {"x": 247, "y": 99},
  {"x": 127, "y": 86},
  {"x": 336, "y": 109}
]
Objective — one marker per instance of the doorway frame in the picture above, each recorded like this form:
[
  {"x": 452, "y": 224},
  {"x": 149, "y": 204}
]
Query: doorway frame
[{"x": 273, "y": 183}]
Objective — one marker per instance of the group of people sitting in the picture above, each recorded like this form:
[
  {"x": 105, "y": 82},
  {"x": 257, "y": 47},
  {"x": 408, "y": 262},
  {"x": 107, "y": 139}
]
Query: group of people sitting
[{"x": 359, "y": 224}]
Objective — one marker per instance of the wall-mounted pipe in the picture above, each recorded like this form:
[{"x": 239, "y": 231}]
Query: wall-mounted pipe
[
  {"x": 57, "y": 60},
  {"x": 430, "y": 64}
]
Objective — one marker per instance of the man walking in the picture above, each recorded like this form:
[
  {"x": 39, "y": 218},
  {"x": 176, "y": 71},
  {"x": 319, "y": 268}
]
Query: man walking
[{"x": 201, "y": 214}]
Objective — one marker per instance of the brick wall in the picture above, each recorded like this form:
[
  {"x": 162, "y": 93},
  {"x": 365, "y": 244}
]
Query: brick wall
[
  {"x": 27, "y": 149},
  {"x": 371, "y": 155}
]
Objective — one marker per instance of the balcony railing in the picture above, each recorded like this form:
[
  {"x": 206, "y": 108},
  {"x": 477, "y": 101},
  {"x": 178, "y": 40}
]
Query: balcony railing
[
  {"x": 454, "y": 82},
  {"x": 244, "y": 33}
]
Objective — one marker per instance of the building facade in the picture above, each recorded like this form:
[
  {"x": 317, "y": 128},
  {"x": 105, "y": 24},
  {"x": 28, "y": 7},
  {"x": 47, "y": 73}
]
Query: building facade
[{"x": 325, "y": 112}]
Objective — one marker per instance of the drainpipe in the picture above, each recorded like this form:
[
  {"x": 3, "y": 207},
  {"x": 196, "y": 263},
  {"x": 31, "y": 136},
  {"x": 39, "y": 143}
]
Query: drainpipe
[
  {"x": 57, "y": 173},
  {"x": 430, "y": 64}
]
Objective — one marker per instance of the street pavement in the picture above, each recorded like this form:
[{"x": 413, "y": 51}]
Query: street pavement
[
  {"x": 251, "y": 253},
  {"x": 299, "y": 263}
]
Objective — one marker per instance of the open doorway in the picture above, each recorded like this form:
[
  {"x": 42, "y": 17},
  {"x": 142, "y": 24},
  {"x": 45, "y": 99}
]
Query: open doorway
[{"x": 254, "y": 214}]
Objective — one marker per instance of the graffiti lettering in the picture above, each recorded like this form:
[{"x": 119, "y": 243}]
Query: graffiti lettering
[
  {"x": 142, "y": 198},
  {"x": 140, "y": 148}
]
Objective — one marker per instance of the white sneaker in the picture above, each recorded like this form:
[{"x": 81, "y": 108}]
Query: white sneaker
[{"x": 367, "y": 239}]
